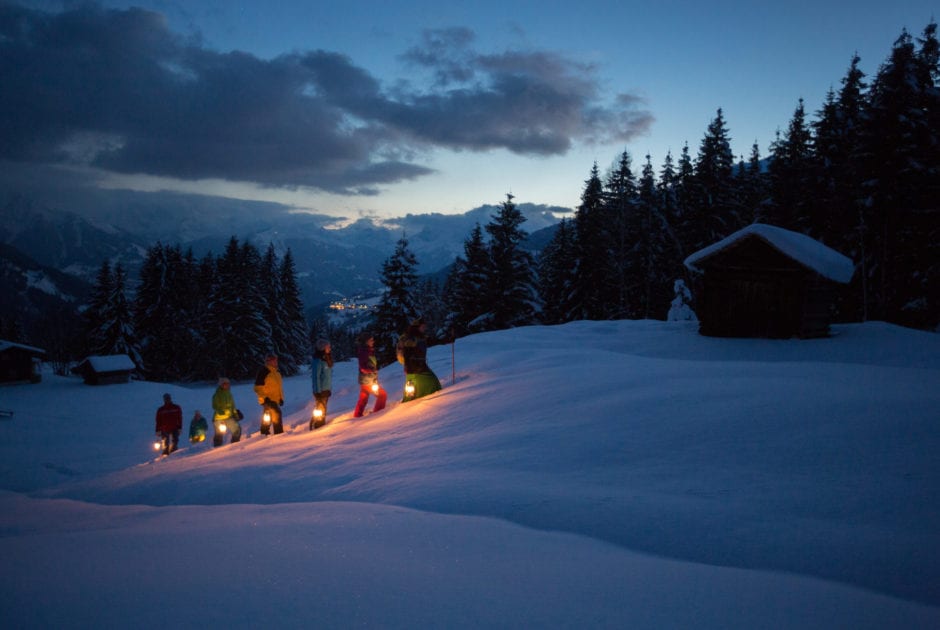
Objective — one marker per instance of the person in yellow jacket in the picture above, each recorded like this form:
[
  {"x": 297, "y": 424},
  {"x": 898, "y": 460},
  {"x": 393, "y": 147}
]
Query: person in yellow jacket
[{"x": 270, "y": 392}]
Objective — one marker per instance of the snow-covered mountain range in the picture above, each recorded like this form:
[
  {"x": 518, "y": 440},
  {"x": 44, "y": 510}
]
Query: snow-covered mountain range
[{"x": 333, "y": 260}]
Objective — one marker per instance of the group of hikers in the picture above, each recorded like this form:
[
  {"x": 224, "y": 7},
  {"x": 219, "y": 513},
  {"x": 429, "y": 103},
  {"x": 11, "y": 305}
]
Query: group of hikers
[{"x": 412, "y": 349}]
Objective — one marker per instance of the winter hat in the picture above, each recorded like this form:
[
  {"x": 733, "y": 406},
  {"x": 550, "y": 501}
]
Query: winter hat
[
  {"x": 322, "y": 344},
  {"x": 224, "y": 381}
]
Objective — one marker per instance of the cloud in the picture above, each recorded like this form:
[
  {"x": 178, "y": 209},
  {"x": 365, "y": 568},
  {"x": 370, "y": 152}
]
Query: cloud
[{"x": 117, "y": 90}]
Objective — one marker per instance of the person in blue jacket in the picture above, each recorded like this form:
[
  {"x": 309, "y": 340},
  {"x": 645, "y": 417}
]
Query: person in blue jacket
[
  {"x": 321, "y": 374},
  {"x": 198, "y": 427}
]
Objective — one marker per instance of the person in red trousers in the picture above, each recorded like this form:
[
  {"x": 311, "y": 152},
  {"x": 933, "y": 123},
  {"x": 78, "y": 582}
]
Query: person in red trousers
[{"x": 368, "y": 376}]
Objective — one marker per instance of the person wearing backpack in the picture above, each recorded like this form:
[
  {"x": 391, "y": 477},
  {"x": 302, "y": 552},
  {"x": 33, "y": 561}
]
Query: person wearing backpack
[
  {"x": 198, "y": 427},
  {"x": 368, "y": 376},
  {"x": 321, "y": 373},
  {"x": 414, "y": 356},
  {"x": 270, "y": 390},
  {"x": 169, "y": 421},
  {"x": 226, "y": 415}
]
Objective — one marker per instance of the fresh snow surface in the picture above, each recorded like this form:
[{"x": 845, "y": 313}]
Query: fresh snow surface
[
  {"x": 809, "y": 252},
  {"x": 597, "y": 474}
]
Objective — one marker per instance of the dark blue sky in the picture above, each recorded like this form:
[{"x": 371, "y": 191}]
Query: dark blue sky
[{"x": 382, "y": 108}]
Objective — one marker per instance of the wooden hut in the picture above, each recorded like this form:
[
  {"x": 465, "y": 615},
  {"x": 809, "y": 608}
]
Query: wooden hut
[
  {"x": 105, "y": 369},
  {"x": 764, "y": 281},
  {"x": 20, "y": 363}
]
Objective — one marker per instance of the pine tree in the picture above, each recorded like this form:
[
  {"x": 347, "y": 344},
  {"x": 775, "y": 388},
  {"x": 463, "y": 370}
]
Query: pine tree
[
  {"x": 557, "y": 273},
  {"x": 896, "y": 169},
  {"x": 715, "y": 212},
  {"x": 927, "y": 227},
  {"x": 837, "y": 218},
  {"x": 208, "y": 363},
  {"x": 160, "y": 315},
  {"x": 238, "y": 331},
  {"x": 273, "y": 311},
  {"x": 512, "y": 276},
  {"x": 398, "y": 306},
  {"x": 11, "y": 329},
  {"x": 654, "y": 257},
  {"x": 433, "y": 310},
  {"x": 668, "y": 201},
  {"x": 97, "y": 311},
  {"x": 753, "y": 189},
  {"x": 117, "y": 325},
  {"x": 620, "y": 202},
  {"x": 593, "y": 239},
  {"x": 827, "y": 147},
  {"x": 467, "y": 284},
  {"x": 292, "y": 340},
  {"x": 791, "y": 175},
  {"x": 684, "y": 222}
]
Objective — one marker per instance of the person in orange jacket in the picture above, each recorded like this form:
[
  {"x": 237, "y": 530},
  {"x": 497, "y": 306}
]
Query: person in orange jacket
[{"x": 270, "y": 391}]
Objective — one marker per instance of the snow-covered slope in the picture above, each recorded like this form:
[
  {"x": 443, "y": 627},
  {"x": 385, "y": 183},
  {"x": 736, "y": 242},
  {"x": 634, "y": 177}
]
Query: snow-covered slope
[{"x": 597, "y": 474}]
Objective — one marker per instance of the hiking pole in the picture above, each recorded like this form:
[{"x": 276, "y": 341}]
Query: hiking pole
[{"x": 453, "y": 362}]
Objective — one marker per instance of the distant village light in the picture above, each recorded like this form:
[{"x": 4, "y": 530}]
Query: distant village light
[{"x": 349, "y": 305}]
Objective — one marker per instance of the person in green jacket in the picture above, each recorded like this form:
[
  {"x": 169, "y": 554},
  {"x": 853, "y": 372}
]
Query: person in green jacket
[
  {"x": 420, "y": 380},
  {"x": 226, "y": 415}
]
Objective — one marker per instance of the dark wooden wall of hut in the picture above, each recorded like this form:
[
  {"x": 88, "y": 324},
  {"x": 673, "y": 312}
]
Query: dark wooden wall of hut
[
  {"x": 16, "y": 364},
  {"x": 751, "y": 289}
]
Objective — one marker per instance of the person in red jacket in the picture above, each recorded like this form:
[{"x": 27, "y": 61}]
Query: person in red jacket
[{"x": 169, "y": 424}]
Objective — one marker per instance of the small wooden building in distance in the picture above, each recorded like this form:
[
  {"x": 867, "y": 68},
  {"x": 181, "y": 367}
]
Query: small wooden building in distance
[
  {"x": 765, "y": 281},
  {"x": 20, "y": 363},
  {"x": 105, "y": 369}
]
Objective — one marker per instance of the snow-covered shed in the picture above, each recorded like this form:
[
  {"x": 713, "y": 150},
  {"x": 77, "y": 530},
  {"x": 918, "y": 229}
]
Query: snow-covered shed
[
  {"x": 20, "y": 363},
  {"x": 765, "y": 281},
  {"x": 105, "y": 369}
]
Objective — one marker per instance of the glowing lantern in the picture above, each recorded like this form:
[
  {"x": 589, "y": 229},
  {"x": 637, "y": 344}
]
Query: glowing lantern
[
  {"x": 375, "y": 388},
  {"x": 409, "y": 389},
  {"x": 266, "y": 418},
  {"x": 157, "y": 445},
  {"x": 316, "y": 419},
  {"x": 222, "y": 428}
]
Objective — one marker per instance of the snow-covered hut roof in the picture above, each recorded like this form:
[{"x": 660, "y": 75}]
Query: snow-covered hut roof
[
  {"x": 809, "y": 252},
  {"x": 4, "y": 345},
  {"x": 110, "y": 363}
]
